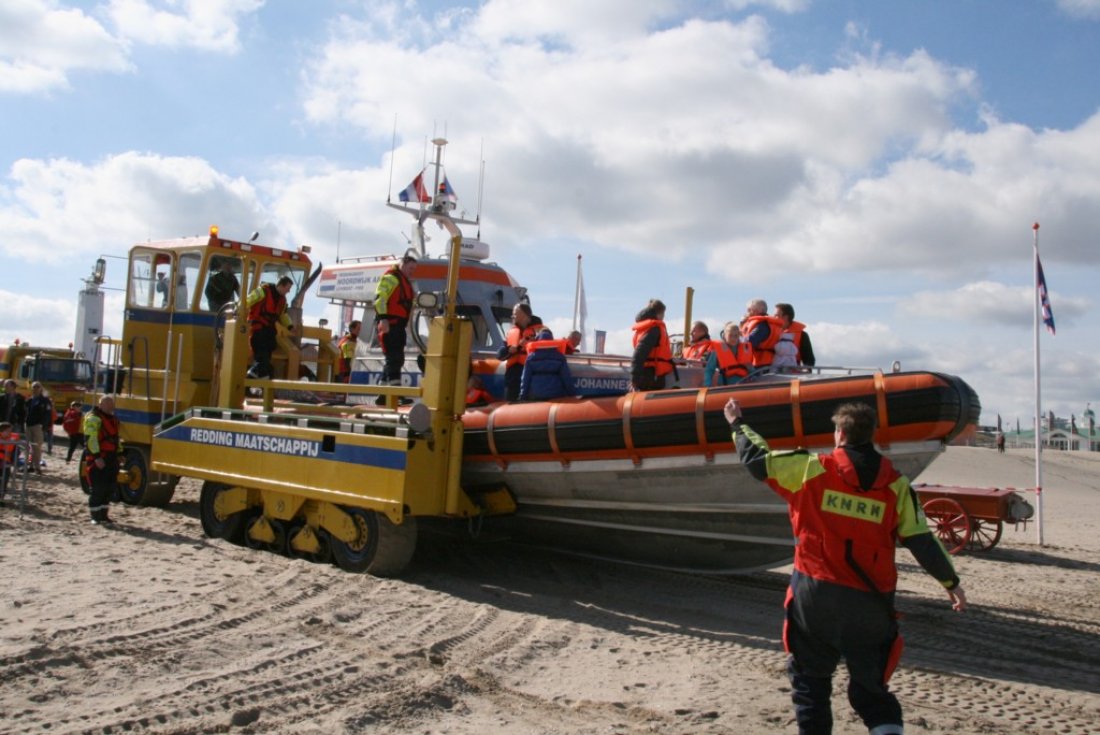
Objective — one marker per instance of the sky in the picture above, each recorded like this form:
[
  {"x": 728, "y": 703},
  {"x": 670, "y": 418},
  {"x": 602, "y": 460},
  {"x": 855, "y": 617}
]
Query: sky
[{"x": 878, "y": 165}]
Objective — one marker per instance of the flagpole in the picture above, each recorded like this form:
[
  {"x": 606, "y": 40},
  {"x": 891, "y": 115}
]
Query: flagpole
[
  {"x": 577, "y": 294},
  {"x": 1038, "y": 398}
]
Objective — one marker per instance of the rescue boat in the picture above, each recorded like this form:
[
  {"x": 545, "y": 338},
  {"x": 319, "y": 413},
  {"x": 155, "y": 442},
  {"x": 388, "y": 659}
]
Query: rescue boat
[{"x": 653, "y": 478}]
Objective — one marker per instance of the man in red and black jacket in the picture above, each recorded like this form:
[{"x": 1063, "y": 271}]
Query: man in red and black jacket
[
  {"x": 104, "y": 447},
  {"x": 848, "y": 510},
  {"x": 392, "y": 306}
]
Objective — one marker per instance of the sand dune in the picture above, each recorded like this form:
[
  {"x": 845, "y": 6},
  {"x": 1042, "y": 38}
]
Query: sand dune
[{"x": 150, "y": 627}]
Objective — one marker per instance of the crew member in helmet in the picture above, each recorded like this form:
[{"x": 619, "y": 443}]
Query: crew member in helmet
[{"x": 652, "y": 360}]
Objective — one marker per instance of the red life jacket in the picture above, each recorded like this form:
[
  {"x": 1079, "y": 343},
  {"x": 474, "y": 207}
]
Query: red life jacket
[
  {"x": 733, "y": 362},
  {"x": 660, "y": 357},
  {"x": 764, "y": 353},
  {"x": 399, "y": 304},
  {"x": 7, "y": 448},
  {"x": 108, "y": 436},
  {"x": 72, "y": 421},
  {"x": 840, "y": 527},
  {"x": 265, "y": 312},
  {"x": 516, "y": 337},
  {"x": 478, "y": 397}
]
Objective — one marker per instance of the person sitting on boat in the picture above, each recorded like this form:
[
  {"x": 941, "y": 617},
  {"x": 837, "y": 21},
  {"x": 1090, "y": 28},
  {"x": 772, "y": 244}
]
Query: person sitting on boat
[
  {"x": 699, "y": 342},
  {"x": 730, "y": 360},
  {"x": 652, "y": 361},
  {"x": 514, "y": 352},
  {"x": 848, "y": 509},
  {"x": 794, "y": 347},
  {"x": 573, "y": 342},
  {"x": 546, "y": 373},
  {"x": 761, "y": 331},
  {"x": 476, "y": 395}
]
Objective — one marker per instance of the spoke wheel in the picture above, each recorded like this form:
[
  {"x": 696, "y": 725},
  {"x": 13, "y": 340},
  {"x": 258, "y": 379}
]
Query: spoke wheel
[
  {"x": 215, "y": 526},
  {"x": 950, "y": 522},
  {"x": 380, "y": 547},
  {"x": 984, "y": 534}
]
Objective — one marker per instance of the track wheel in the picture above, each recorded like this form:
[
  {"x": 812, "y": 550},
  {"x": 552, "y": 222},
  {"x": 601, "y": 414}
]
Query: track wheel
[
  {"x": 320, "y": 538},
  {"x": 216, "y": 524},
  {"x": 379, "y": 547},
  {"x": 949, "y": 521},
  {"x": 141, "y": 487},
  {"x": 984, "y": 534}
]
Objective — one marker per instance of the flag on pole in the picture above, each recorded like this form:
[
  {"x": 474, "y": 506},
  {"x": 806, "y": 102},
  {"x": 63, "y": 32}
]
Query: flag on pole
[
  {"x": 1044, "y": 299},
  {"x": 580, "y": 307},
  {"x": 415, "y": 192}
]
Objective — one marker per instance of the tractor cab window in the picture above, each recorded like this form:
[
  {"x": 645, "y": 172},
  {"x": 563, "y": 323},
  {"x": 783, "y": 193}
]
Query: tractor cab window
[
  {"x": 223, "y": 284},
  {"x": 150, "y": 280},
  {"x": 271, "y": 272},
  {"x": 187, "y": 279}
]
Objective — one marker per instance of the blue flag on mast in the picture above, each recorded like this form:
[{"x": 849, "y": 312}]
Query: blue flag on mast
[{"x": 1044, "y": 299}]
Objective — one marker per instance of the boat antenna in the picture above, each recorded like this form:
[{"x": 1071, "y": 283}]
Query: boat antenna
[
  {"x": 480, "y": 189},
  {"x": 338, "y": 238},
  {"x": 393, "y": 146}
]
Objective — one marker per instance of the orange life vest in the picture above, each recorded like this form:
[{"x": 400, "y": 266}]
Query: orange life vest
[
  {"x": 7, "y": 448},
  {"x": 399, "y": 304},
  {"x": 561, "y": 345},
  {"x": 343, "y": 364},
  {"x": 265, "y": 312},
  {"x": 478, "y": 397},
  {"x": 108, "y": 436},
  {"x": 698, "y": 350},
  {"x": 516, "y": 337},
  {"x": 660, "y": 357},
  {"x": 733, "y": 362},
  {"x": 795, "y": 330},
  {"x": 764, "y": 353}
]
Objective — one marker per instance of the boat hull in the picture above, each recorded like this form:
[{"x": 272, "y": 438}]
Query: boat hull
[{"x": 653, "y": 478}]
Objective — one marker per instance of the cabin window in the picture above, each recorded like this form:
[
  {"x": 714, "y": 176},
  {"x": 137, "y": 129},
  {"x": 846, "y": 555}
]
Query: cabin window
[
  {"x": 223, "y": 284},
  {"x": 150, "y": 280},
  {"x": 187, "y": 279},
  {"x": 271, "y": 272}
]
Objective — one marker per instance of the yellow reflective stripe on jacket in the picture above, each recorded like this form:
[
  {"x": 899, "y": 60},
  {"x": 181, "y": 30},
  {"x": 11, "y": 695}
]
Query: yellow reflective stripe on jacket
[
  {"x": 790, "y": 470},
  {"x": 386, "y": 286},
  {"x": 92, "y": 424}
]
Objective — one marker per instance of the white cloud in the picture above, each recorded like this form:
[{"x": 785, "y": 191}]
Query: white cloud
[
  {"x": 990, "y": 303},
  {"x": 42, "y": 44},
  {"x": 209, "y": 25},
  {"x": 59, "y": 209},
  {"x": 1087, "y": 9}
]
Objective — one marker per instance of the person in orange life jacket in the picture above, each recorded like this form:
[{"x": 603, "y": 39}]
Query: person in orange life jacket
[
  {"x": 266, "y": 306},
  {"x": 476, "y": 395},
  {"x": 652, "y": 360},
  {"x": 848, "y": 510},
  {"x": 730, "y": 360},
  {"x": 72, "y": 422},
  {"x": 345, "y": 352},
  {"x": 8, "y": 454},
  {"x": 699, "y": 343},
  {"x": 573, "y": 342},
  {"x": 392, "y": 306},
  {"x": 761, "y": 331},
  {"x": 104, "y": 447},
  {"x": 514, "y": 352},
  {"x": 546, "y": 373},
  {"x": 794, "y": 347}
]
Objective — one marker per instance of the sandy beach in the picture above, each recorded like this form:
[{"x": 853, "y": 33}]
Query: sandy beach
[{"x": 150, "y": 627}]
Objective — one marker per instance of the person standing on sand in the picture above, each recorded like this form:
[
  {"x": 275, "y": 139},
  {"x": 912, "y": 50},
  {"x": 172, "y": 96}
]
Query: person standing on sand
[
  {"x": 101, "y": 432},
  {"x": 1001, "y": 442},
  {"x": 848, "y": 510}
]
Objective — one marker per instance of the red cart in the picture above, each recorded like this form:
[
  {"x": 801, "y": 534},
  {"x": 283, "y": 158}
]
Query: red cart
[{"x": 971, "y": 518}]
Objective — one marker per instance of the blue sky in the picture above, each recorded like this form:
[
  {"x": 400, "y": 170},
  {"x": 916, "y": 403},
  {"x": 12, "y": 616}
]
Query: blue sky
[{"x": 878, "y": 165}]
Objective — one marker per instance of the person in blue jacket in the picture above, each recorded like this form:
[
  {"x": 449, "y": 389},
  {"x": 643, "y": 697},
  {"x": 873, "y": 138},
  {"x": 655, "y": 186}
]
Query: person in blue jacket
[{"x": 546, "y": 373}]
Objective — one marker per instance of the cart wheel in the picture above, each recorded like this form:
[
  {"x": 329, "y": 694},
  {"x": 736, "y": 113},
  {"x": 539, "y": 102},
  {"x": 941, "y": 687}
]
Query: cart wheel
[
  {"x": 984, "y": 534},
  {"x": 950, "y": 522}
]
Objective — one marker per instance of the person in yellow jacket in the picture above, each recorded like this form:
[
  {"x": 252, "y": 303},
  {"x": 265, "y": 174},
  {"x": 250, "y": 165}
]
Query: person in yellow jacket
[
  {"x": 103, "y": 450},
  {"x": 266, "y": 306},
  {"x": 392, "y": 307},
  {"x": 849, "y": 509},
  {"x": 345, "y": 352}
]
